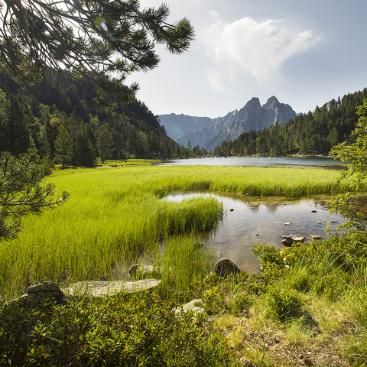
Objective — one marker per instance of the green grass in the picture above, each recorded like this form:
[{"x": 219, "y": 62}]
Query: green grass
[
  {"x": 115, "y": 215},
  {"x": 129, "y": 162}
]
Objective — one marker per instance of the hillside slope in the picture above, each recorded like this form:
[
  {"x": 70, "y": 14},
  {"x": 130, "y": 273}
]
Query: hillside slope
[
  {"x": 74, "y": 111},
  {"x": 312, "y": 133}
]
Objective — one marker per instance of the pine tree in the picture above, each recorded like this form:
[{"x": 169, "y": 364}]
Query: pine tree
[
  {"x": 104, "y": 139},
  {"x": 102, "y": 36},
  {"x": 21, "y": 191},
  {"x": 64, "y": 146}
]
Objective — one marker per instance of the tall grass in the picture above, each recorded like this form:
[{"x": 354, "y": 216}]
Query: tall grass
[
  {"x": 185, "y": 262},
  {"x": 115, "y": 215}
]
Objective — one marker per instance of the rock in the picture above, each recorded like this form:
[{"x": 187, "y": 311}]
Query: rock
[
  {"x": 290, "y": 240},
  {"x": 194, "y": 306},
  {"x": 288, "y": 224},
  {"x": 314, "y": 211},
  {"x": 287, "y": 241},
  {"x": 226, "y": 267},
  {"x": 315, "y": 237},
  {"x": 298, "y": 239},
  {"x": 231, "y": 210},
  {"x": 40, "y": 293},
  {"x": 140, "y": 269},
  {"x": 105, "y": 288}
]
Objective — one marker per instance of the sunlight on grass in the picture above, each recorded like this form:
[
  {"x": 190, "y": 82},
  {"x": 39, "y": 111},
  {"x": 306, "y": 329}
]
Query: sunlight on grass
[{"x": 115, "y": 215}]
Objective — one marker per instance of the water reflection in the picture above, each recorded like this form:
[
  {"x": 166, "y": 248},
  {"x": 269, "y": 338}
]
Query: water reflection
[
  {"x": 246, "y": 224},
  {"x": 255, "y": 161}
]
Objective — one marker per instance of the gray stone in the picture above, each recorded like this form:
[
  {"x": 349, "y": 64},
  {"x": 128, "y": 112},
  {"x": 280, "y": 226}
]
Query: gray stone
[
  {"x": 105, "y": 288},
  {"x": 225, "y": 267},
  {"x": 40, "y": 293},
  {"x": 48, "y": 287},
  {"x": 298, "y": 239},
  {"x": 194, "y": 306},
  {"x": 290, "y": 240}
]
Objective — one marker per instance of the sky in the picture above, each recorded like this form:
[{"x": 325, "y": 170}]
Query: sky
[{"x": 303, "y": 52}]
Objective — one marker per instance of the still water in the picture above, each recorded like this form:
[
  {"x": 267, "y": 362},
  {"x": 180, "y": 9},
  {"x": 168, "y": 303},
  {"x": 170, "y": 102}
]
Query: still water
[
  {"x": 254, "y": 161},
  {"x": 245, "y": 224}
]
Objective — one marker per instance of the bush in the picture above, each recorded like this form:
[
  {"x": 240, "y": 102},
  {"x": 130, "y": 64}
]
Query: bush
[
  {"x": 214, "y": 300},
  {"x": 240, "y": 303},
  {"x": 284, "y": 304},
  {"x": 123, "y": 330}
]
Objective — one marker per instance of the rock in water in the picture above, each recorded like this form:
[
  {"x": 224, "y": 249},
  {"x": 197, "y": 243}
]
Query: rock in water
[
  {"x": 298, "y": 239},
  {"x": 226, "y": 267},
  {"x": 290, "y": 240}
]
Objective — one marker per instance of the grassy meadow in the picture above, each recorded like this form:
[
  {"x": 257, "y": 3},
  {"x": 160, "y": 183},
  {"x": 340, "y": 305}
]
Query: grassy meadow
[
  {"x": 115, "y": 216},
  {"x": 306, "y": 307}
]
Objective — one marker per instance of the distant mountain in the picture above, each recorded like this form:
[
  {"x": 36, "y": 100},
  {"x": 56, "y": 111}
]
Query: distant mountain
[
  {"x": 210, "y": 133},
  {"x": 313, "y": 133}
]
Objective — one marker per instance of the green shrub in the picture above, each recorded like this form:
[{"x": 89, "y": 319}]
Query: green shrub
[
  {"x": 300, "y": 280},
  {"x": 240, "y": 303},
  {"x": 284, "y": 304},
  {"x": 214, "y": 300},
  {"x": 117, "y": 331},
  {"x": 333, "y": 285}
]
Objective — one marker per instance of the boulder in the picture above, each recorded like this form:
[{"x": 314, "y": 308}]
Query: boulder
[
  {"x": 290, "y": 240},
  {"x": 225, "y": 267},
  {"x": 40, "y": 293},
  {"x": 298, "y": 239},
  {"x": 106, "y": 288},
  {"x": 287, "y": 241}
]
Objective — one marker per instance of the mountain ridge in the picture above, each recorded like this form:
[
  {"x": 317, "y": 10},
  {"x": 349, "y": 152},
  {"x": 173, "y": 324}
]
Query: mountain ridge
[{"x": 209, "y": 133}]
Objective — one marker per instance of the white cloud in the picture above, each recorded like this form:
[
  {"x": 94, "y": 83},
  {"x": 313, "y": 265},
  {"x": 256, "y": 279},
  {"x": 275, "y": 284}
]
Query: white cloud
[{"x": 258, "y": 48}]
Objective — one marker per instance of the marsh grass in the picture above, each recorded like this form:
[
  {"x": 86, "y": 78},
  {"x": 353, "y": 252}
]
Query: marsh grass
[
  {"x": 184, "y": 264},
  {"x": 115, "y": 216}
]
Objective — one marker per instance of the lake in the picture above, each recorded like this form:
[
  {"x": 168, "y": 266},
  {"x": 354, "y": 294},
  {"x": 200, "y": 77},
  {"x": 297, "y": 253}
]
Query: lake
[
  {"x": 255, "y": 161},
  {"x": 245, "y": 224}
]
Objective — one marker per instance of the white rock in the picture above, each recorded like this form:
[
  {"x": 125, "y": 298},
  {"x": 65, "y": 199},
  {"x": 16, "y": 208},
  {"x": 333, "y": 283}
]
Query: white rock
[{"x": 105, "y": 288}]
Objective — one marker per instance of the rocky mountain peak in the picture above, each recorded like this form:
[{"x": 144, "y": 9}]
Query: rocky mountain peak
[
  {"x": 253, "y": 102},
  {"x": 210, "y": 133},
  {"x": 272, "y": 102}
]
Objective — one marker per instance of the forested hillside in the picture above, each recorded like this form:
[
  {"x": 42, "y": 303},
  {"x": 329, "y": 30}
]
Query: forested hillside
[
  {"x": 72, "y": 122},
  {"x": 312, "y": 133}
]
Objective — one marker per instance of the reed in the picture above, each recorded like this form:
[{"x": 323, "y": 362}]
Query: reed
[{"x": 116, "y": 215}]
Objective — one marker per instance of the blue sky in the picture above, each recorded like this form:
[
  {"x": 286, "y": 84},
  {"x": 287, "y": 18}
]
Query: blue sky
[{"x": 303, "y": 52}]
